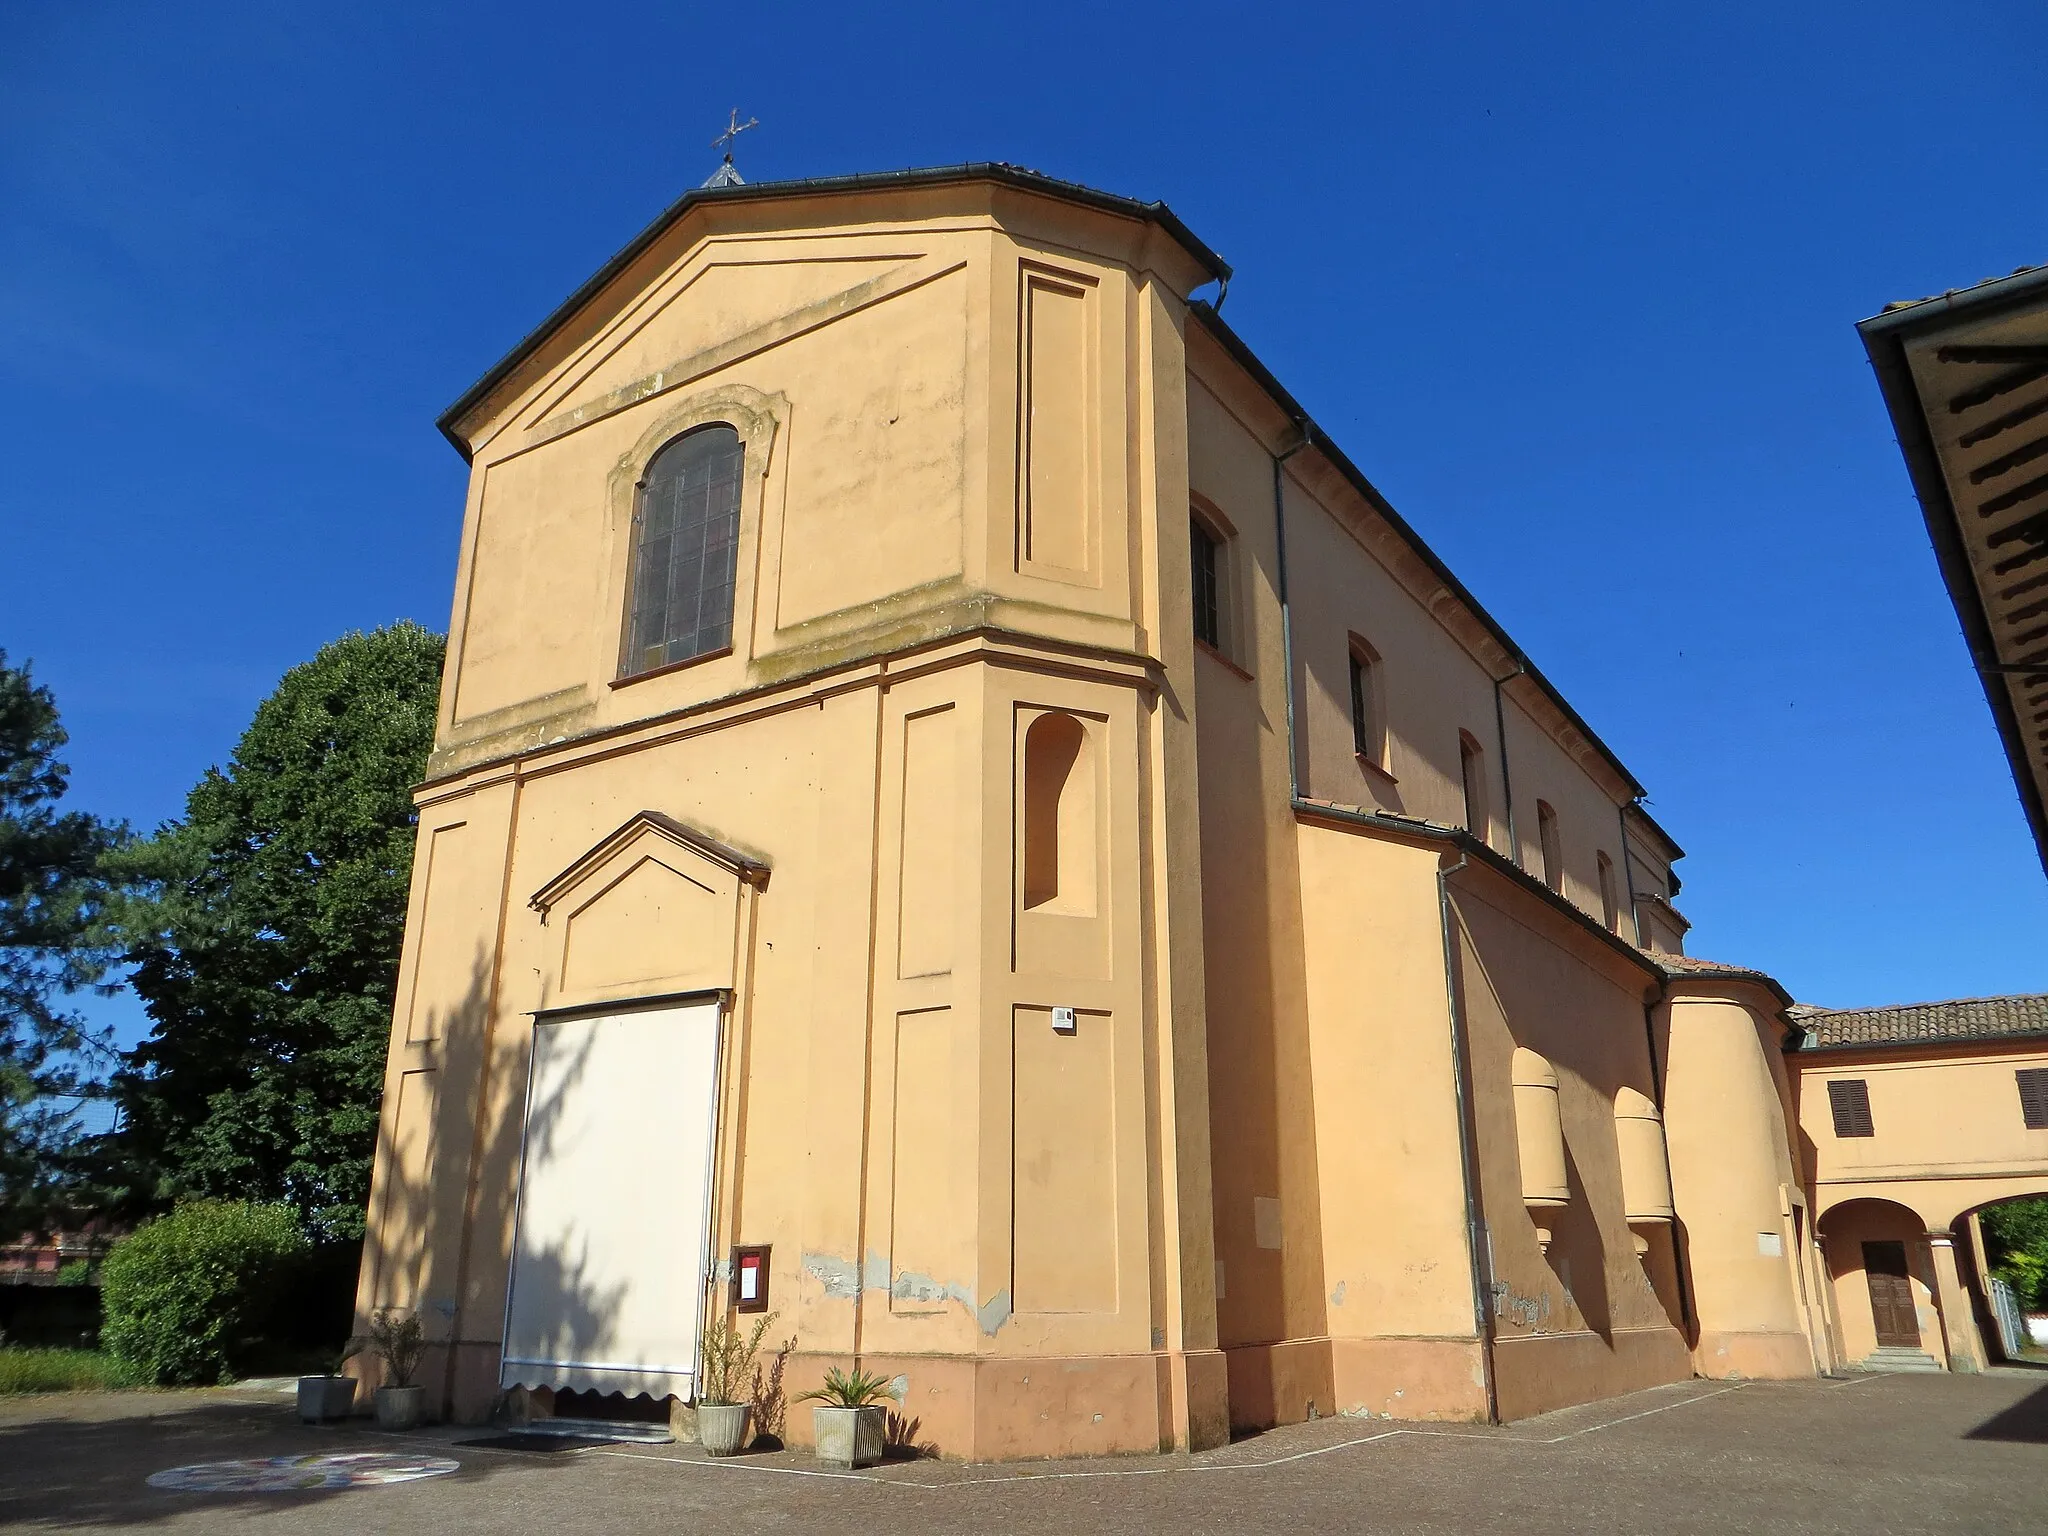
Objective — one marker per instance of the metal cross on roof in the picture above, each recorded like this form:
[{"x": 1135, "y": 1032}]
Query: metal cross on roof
[{"x": 726, "y": 175}]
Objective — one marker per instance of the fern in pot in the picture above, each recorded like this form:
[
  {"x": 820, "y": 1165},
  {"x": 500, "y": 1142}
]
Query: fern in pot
[
  {"x": 398, "y": 1341},
  {"x": 724, "y": 1389},
  {"x": 850, "y": 1425}
]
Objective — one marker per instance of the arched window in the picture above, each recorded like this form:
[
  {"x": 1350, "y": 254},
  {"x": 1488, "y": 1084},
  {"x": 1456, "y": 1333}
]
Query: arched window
[
  {"x": 1205, "y": 552},
  {"x": 686, "y": 533},
  {"x": 1553, "y": 849},
  {"x": 1610, "y": 901},
  {"x": 1472, "y": 769},
  {"x": 1368, "y": 717}
]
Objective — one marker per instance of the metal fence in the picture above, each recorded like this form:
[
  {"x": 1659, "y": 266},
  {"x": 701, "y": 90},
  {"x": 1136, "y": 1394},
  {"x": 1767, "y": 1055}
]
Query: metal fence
[{"x": 2012, "y": 1324}]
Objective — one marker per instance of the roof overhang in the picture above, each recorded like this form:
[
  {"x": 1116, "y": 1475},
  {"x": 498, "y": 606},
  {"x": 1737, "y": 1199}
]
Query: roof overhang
[{"x": 1965, "y": 377}]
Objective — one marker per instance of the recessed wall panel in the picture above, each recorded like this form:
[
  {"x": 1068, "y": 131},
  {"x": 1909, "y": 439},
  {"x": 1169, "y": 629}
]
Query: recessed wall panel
[
  {"x": 1057, "y": 483},
  {"x": 457, "y": 934},
  {"x": 406, "y": 1199},
  {"x": 931, "y": 1243},
  {"x": 1064, "y": 1164},
  {"x": 927, "y": 887}
]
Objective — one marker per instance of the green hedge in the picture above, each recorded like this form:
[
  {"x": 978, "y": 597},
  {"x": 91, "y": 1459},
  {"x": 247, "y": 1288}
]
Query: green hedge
[{"x": 187, "y": 1296}]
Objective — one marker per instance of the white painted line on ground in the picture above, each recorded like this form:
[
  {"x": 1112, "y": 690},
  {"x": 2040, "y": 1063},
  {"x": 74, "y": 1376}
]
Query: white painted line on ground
[{"x": 742, "y": 1465}]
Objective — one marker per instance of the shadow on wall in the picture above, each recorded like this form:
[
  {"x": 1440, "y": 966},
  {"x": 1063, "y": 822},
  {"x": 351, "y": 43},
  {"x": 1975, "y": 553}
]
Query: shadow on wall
[
  {"x": 1578, "y": 1255},
  {"x": 1683, "y": 1317},
  {"x": 414, "y": 1255}
]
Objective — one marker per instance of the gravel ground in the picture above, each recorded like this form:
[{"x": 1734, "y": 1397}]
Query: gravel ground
[{"x": 1867, "y": 1455}]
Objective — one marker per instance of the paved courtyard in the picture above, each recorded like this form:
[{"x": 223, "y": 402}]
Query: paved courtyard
[{"x": 1871, "y": 1454}]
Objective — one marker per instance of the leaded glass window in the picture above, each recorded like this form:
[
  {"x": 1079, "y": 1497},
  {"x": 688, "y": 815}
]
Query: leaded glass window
[
  {"x": 686, "y": 532},
  {"x": 1208, "y": 601}
]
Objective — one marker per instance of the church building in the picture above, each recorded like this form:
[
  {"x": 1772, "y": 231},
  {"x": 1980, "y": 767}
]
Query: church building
[{"x": 962, "y": 819}]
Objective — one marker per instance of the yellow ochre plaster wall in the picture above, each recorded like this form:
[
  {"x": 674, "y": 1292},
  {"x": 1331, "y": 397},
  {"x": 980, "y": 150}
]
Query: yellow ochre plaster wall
[{"x": 965, "y": 764}]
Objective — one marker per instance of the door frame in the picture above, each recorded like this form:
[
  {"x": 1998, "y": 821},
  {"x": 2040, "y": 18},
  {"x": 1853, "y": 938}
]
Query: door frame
[{"x": 722, "y": 998}]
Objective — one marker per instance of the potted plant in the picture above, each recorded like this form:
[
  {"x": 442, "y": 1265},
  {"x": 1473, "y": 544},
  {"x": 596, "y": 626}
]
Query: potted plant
[
  {"x": 398, "y": 1342},
  {"x": 330, "y": 1395},
  {"x": 722, "y": 1401},
  {"x": 849, "y": 1423}
]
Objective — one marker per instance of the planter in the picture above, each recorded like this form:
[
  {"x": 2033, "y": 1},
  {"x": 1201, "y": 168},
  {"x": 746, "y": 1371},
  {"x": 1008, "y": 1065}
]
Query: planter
[
  {"x": 722, "y": 1427},
  {"x": 400, "y": 1407},
  {"x": 849, "y": 1437},
  {"x": 323, "y": 1399}
]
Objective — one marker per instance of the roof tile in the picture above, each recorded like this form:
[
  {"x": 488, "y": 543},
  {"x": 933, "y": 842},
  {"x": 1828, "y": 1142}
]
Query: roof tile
[{"x": 1958, "y": 1019}]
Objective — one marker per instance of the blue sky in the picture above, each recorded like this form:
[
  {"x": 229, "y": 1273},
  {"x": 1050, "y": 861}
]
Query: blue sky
[{"x": 1575, "y": 285}]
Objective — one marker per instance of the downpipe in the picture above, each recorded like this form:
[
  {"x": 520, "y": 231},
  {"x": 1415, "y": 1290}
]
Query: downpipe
[{"x": 1476, "y": 1247}]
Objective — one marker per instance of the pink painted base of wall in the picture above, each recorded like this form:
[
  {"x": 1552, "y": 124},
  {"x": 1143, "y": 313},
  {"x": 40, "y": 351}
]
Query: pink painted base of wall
[
  {"x": 1539, "y": 1373},
  {"x": 1444, "y": 1379},
  {"x": 981, "y": 1409},
  {"x": 1427, "y": 1379},
  {"x": 991, "y": 1409},
  {"x": 1753, "y": 1356}
]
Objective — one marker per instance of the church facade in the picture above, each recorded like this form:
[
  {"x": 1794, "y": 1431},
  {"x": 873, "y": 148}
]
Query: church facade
[{"x": 961, "y": 819}]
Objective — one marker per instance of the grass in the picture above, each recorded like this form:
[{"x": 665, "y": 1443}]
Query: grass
[{"x": 61, "y": 1370}]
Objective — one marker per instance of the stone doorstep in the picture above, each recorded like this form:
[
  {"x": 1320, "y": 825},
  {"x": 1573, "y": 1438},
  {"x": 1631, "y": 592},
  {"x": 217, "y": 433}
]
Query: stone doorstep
[
  {"x": 636, "y": 1430},
  {"x": 1891, "y": 1359}
]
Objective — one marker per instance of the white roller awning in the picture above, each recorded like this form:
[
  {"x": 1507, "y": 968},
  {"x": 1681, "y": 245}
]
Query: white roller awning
[{"x": 611, "y": 1253}]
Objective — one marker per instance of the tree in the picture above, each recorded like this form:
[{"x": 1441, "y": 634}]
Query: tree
[
  {"x": 264, "y": 932},
  {"x": 50, "y": 897},
  {"x": 2016, "y": 1246}
]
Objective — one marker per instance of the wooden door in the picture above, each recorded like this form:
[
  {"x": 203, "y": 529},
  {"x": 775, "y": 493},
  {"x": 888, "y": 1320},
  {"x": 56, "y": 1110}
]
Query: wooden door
[{"x": 1891, "y": 1296}]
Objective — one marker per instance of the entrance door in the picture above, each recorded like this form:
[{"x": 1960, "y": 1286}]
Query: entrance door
[
  {"x": 1891, "y": 1296},
  {"x": 610, "y": 1253}
]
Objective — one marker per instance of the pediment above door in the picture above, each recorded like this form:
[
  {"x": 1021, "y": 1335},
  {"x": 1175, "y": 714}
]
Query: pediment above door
[{"x": 652, "y": 908}]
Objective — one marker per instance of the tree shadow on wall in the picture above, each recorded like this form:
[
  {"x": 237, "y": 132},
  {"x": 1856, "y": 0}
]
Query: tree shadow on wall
[
  {"x": 437, "y": 1171},
  {"x": 771, "y": 1406}
]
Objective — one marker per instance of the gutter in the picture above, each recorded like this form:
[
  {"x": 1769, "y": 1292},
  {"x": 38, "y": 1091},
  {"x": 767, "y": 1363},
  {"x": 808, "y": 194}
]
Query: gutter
[
  {"x": 997, "y": 172},
  {"x": 1800, "y": 1048},
  {"x": 1478, "y": 1250}
]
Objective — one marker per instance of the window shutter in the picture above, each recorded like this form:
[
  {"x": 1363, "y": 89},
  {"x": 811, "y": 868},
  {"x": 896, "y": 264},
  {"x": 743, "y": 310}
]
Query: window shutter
[
  {"x": 2033, "y": 1083},
  {"x": 1849, "y": 1098}
]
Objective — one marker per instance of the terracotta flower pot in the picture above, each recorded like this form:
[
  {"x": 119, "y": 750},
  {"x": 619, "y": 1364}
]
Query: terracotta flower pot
[
  {"x": 849, "y": 1437},
  {"x": 722, "y": 1427},
  {"x": 323, "y": 1399},
  {"x": 401, "y": 1407}
]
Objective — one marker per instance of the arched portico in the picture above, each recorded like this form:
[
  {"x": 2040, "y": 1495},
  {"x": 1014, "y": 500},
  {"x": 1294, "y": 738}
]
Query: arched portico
[{"x": 1887, "y": 1282}]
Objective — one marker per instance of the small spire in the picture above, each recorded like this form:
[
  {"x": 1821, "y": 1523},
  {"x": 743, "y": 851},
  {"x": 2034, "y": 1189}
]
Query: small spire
[{"x": 727, "y": 175}]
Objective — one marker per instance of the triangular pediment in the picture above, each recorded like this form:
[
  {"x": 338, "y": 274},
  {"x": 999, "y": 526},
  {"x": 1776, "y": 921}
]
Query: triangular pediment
[
  {"x": 689, "y": 317},
  {"x": 652, "y": 906},
  {"x": 654, "y": 834}
]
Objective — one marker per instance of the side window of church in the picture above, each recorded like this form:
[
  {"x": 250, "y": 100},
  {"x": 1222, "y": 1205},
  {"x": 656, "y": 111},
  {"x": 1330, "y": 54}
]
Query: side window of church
[
  {"x": 2034, "y": 1097},
  {"x": 1849, "y": 1098},
  {"x": 685, "y": 550},
  {"x": 1206, "y": 552}
]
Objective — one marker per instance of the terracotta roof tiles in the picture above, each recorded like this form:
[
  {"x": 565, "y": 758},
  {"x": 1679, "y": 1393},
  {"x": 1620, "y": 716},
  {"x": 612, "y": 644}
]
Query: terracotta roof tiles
[{"x": 1959, "y": 1019}]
